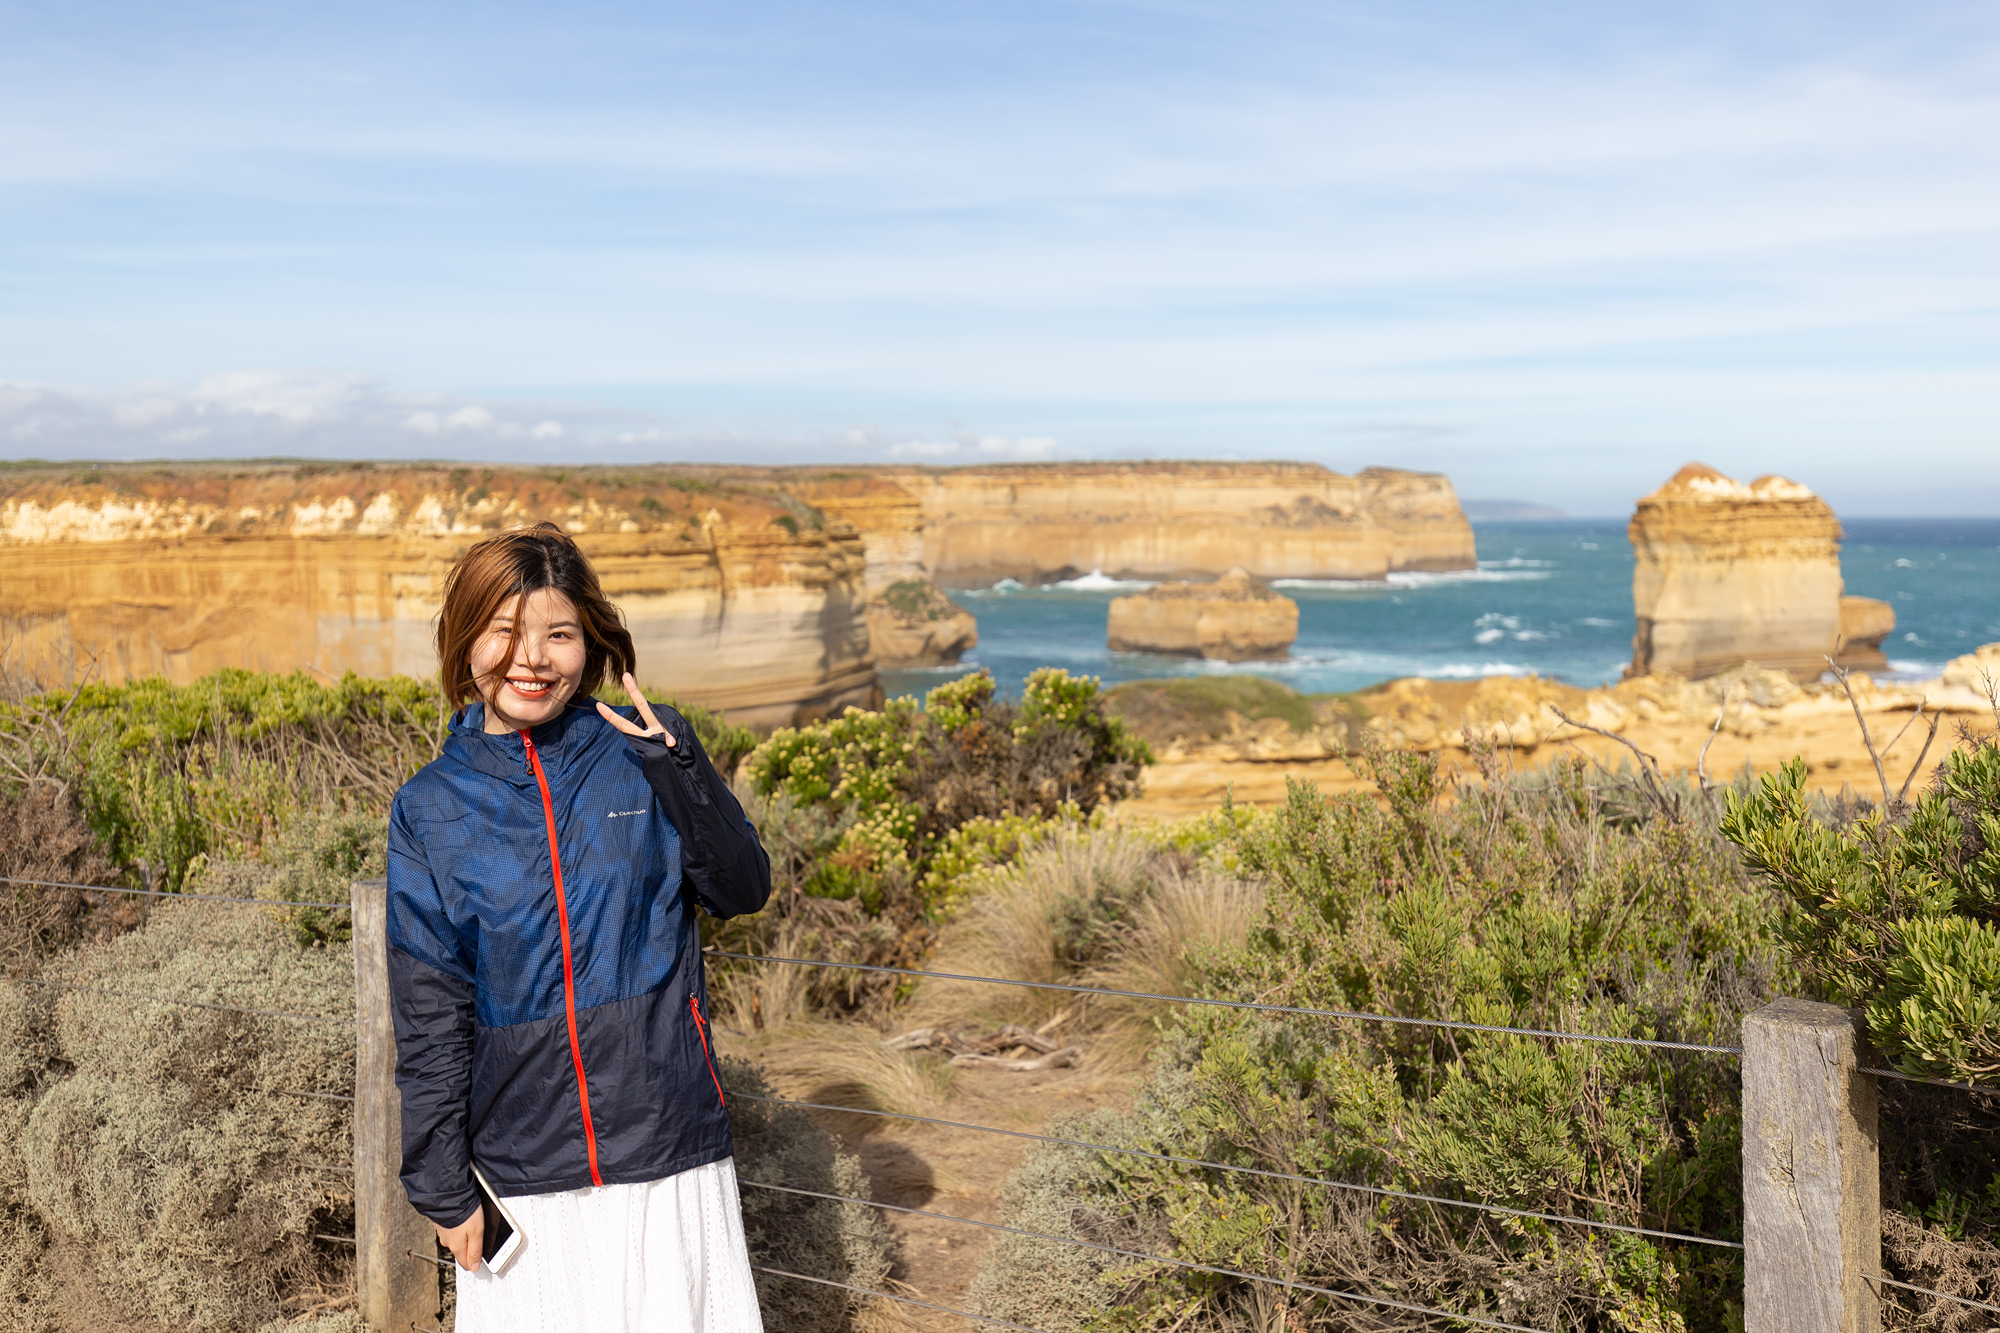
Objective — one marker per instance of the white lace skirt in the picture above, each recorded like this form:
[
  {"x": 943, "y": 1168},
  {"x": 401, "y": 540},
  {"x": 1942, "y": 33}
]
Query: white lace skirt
[{"x": 663, "y": 1257}]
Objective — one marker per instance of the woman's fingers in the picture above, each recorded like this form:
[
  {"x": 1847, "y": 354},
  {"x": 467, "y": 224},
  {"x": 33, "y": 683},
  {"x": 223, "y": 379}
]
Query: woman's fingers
[
  {"x": 653, "y": 724},
  {"x": 653, "y": 727},
  {"x": 629, "y": 728}
]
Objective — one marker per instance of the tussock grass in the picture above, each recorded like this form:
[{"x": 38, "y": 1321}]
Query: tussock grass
[{"x": 1101, "y": 906}]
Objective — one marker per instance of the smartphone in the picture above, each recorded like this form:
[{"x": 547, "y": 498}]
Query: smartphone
[{"x": 503, "y": 1233}]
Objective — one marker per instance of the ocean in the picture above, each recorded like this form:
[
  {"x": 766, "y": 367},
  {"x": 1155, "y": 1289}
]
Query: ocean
[{"x": 1551, "y": 597}]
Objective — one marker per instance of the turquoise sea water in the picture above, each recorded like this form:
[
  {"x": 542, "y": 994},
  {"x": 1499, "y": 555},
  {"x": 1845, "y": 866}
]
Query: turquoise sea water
[{"x": 1549, "y": 597}]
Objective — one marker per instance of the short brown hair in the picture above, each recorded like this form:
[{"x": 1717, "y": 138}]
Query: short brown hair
[{"x": 515, "y": 564}]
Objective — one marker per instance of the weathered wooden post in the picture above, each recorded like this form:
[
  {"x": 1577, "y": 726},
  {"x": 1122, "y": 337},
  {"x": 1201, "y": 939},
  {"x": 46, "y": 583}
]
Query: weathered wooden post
[
  {"x": 1812, "y": 1199},
  {"x": 397, "y": 1292}
]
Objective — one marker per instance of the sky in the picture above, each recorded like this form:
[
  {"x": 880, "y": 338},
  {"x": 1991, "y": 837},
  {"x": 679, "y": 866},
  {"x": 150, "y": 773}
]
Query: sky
[{"x": 1552, "y": 249}]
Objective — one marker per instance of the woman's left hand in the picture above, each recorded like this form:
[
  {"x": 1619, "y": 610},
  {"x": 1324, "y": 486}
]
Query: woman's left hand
[{"x": 654, "y": 727}]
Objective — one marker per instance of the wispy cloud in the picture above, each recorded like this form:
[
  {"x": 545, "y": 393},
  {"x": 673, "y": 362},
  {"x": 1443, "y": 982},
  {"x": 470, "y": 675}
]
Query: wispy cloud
[{"x": 1594, "y": 240}]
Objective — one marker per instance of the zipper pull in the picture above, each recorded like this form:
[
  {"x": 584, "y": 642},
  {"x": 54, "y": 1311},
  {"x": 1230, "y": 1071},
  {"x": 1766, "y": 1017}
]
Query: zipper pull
[{"x": 527, "y": 751}]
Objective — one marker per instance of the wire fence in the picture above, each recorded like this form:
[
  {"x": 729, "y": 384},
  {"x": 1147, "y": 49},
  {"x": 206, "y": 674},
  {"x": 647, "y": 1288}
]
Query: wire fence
[
  {"x": 1132, "y": 1255},
  {"x": 1294, "y": 1010},
  {"x": 1189, "y": 1264}
]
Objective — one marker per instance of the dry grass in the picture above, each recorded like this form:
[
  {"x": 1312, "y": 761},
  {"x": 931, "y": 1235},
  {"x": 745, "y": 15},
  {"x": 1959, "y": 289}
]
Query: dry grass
[{"x": 1104, "y": 907}]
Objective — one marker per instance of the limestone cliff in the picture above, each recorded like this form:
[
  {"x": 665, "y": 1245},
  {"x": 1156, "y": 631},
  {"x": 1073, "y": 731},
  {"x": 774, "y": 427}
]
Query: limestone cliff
[
  {"x": 911, "y": 623},
  {"x": 1039, "y": 523},
  {"x": 1233, "y": 619},
  {"x": 735, "y": 598},
  {"x": 1727, "y": 573}
]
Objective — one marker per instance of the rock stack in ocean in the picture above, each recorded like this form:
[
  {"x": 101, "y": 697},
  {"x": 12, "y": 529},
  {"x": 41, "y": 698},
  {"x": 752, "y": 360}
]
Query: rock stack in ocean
[
  {"x": 913, "y": 624},
  {"x": 1864, "y": 624},
  {"x": 1727, "y": 574},
  {"x": 1234, "y": 619}
]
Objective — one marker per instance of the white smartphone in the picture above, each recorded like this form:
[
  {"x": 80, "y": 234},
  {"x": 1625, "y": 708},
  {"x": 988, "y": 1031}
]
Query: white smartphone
[{"x": 504, "y": 1238}]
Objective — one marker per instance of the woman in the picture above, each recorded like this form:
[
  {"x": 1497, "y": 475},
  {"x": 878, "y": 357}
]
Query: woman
[{"x": 546, "y": 972}]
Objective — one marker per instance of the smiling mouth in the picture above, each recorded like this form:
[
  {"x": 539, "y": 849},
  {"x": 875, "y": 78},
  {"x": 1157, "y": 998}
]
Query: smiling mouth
[{"x": 533, "y": 689}]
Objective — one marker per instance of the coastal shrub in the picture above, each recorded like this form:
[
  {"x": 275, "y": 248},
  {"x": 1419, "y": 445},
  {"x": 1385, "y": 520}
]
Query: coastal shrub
[
  {"x": 166, "y": 773},
  {"x": 892, "y": 786},
  {"x": 1510, "y": 905},
  {"x": 1900, "y": 916},
  {"x": 168, "y": 1167},
  {"x": 836, "y": 1241},
  {"x": 43, "y": 837}
]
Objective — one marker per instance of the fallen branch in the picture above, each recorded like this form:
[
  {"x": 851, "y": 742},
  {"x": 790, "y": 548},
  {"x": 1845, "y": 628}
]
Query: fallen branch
[{"x": 1062, "y": 1059}]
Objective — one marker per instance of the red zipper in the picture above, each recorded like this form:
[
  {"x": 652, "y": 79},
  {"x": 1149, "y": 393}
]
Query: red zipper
[
  {"x": 694, "y": 1007},
  {"x": 569, "y": 973}
]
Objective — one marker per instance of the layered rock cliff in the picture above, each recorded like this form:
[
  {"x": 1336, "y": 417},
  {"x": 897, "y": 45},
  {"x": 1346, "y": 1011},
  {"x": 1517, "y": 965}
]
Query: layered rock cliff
[
  {"x": 735, "y": 598},
  {"x": 1039, "y": 523},
  {"x": 911, "y": 622},
  {"x": 1727, "y": 573},
  {"x": 1233, "y": 619}
]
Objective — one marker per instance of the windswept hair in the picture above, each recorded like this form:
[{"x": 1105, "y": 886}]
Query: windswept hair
[{"x": 512, "y": 565}]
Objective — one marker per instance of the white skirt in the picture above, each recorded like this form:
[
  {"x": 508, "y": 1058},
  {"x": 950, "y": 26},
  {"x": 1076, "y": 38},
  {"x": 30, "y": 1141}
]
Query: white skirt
[{"x": 663, "y": 1257}]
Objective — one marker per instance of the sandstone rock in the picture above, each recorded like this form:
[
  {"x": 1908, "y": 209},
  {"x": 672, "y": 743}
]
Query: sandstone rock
[
  {"x": 1039, "y": 523},
  {"x": 1864, "y": 623},
  {"x": 1509, "y": 711},
  {"x": 1233, "y": 619},
  {"x": 912, "y": 623},
  {"x": 1728, "y": 573},
  {"x": 734, "y": 600},
  {"x": 1963, "y": 687}
]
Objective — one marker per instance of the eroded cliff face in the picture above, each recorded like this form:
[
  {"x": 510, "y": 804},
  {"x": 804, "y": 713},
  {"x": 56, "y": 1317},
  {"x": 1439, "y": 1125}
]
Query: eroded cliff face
[
  {"x": 734, "y": 599},
  {"x": 1042, "y": 522},
  {"x": 1727, "y": 573}
]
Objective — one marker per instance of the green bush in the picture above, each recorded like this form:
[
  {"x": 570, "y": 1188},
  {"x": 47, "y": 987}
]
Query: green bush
[
  {"x": 1518, "y": 904},
  {"x": 841, "y": 1242},
  {"x": 167, "y": 773},
  {"x": 168, "y": 1170},
  {"x": 1900, "y": 916},
  {"x": 891, "y": 787}
]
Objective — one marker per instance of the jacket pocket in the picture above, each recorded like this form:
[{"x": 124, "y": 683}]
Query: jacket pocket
[{"x": 707, "y": 1055}]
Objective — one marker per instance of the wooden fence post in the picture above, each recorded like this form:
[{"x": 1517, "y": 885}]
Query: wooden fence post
[
  {"x": 397, "y": 1292},
  {"x": 1812, "y": 1199}
]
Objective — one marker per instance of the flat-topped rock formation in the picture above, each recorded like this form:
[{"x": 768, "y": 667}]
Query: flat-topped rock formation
[
  {"x": 1234, "y": 619},
  {"x": 1040, "y": 523},
  {"x": 913, "y": 624},
  {"x": 738, "y": 596},
  {"x": 1727, "y": 573},
  {"x": 1865, "y": 623}
]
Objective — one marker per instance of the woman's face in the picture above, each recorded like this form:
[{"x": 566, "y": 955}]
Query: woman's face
[{"x": 541, "y": 677}]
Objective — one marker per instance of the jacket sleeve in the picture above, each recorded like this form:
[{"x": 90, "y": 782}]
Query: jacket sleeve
[
  {"x": 724, "y": 862},
  {"x": 431, "y": 999}
]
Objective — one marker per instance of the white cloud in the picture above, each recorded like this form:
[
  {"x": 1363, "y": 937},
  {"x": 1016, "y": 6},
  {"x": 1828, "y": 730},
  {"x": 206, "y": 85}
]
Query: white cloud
[{"x": 967, "y": 448}]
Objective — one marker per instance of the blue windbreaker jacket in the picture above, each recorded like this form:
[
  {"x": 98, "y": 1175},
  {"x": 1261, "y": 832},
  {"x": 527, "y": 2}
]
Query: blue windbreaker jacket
[{"x": 545, "y": 964}]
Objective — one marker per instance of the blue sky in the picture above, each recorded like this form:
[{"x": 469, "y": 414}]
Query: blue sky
[{"x": 1554, "y": 250}]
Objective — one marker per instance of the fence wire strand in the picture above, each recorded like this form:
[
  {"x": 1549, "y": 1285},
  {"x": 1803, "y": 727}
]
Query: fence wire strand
[
  {"x": 1452, "y": 1024},
  {"x": 1911, "y": 1286},
  {"x": 1355, "y": 1296},
  {"x": 168, "y": 893},
  {"x": 1259, "y": 1171},
  {"x": 192, "y": 1004},
  {"x": 892, "y": 1296},
  {"x": 1934, "y": 1082}
]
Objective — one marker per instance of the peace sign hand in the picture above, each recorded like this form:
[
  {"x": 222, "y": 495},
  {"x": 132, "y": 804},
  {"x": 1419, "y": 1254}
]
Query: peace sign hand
[{"x": 654, "y": 727}]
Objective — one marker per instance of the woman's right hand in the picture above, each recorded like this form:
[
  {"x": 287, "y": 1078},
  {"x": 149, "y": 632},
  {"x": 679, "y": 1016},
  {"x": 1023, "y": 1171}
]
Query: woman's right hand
[{"x": 466, "y": 1240}]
